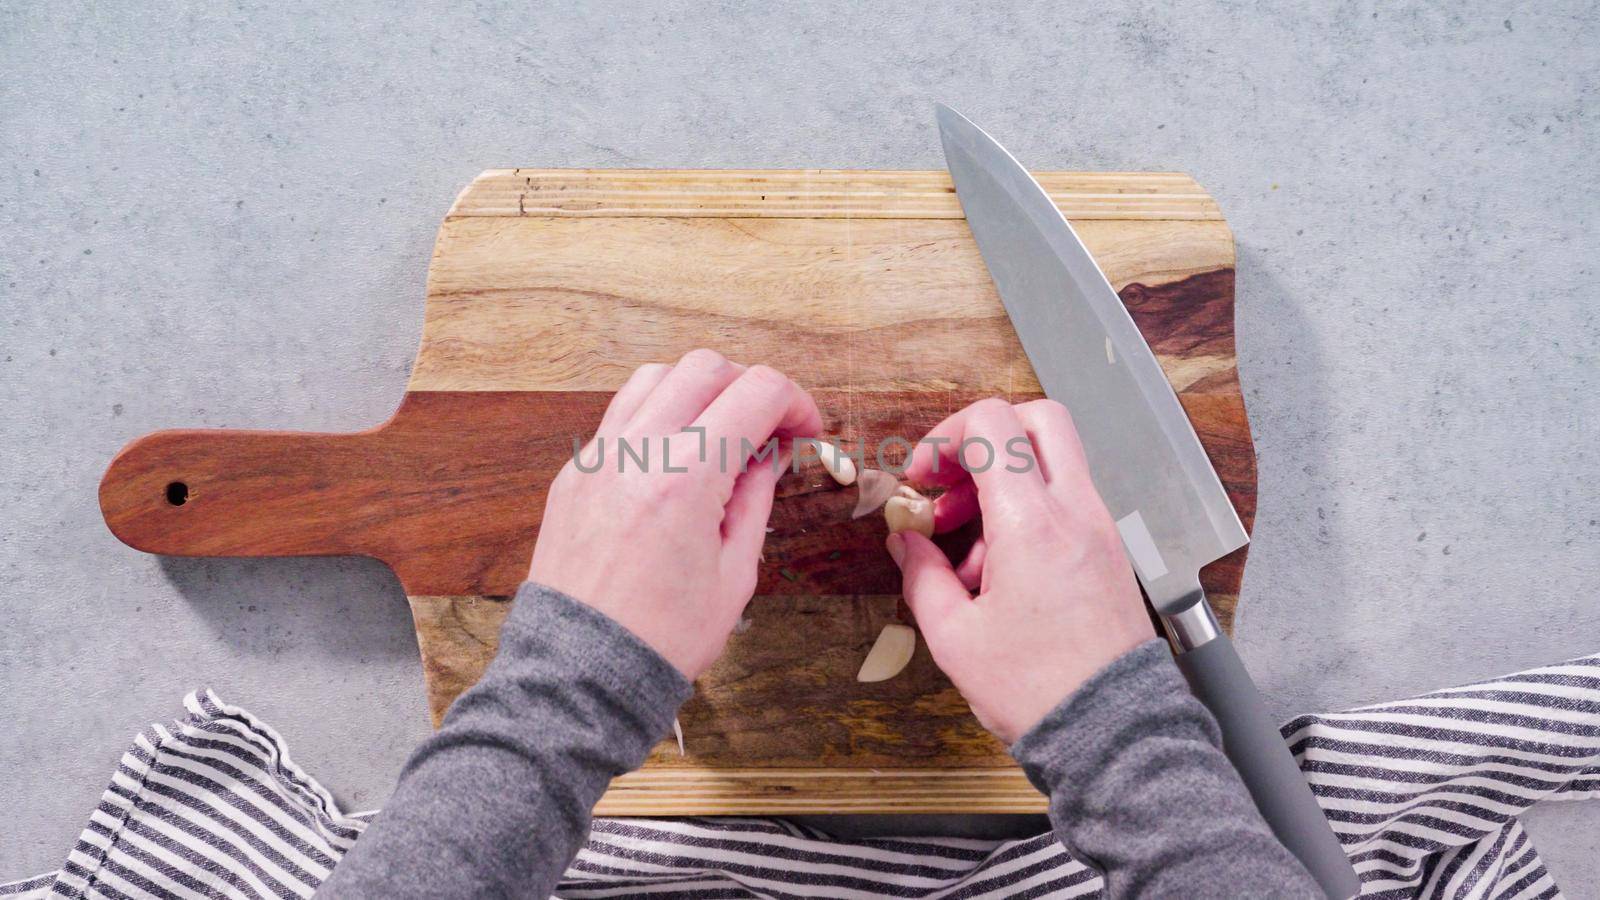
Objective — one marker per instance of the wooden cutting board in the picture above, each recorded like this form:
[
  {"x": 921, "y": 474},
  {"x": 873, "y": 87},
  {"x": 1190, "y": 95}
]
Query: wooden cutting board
[{"x": 548, "y": 287}]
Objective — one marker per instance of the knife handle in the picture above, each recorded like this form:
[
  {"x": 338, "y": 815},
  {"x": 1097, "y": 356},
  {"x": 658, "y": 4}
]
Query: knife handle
[{"x": 1255, "y": 747}]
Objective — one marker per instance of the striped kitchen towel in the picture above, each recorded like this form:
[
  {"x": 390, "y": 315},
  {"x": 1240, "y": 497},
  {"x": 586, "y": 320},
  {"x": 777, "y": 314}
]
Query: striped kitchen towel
[{"x": 1424, "y": 793}]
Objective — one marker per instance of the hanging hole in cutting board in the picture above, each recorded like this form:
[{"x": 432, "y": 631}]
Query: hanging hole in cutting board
[{"x": 177, "y": 493}]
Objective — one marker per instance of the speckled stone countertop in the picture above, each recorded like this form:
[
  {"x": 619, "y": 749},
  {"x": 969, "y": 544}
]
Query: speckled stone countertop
[{"x": 219, "y": 216}]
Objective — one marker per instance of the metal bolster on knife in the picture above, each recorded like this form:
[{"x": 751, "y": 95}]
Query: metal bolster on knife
[{"x": 1194, "y": 626}]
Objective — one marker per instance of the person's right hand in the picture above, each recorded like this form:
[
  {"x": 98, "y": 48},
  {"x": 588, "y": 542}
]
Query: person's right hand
[{"x": 1056, "y": 599}]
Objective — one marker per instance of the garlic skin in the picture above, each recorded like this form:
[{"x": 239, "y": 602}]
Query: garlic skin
[
  {"x": 873, "y": 489},
  {"x": 839, "y": 465},
  {"x": 890, "y": 653},
  {"x": 908, "y": 510}
]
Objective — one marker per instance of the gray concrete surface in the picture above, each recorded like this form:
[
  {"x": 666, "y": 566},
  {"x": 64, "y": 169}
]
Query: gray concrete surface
[{"x": 221, "y": 216}]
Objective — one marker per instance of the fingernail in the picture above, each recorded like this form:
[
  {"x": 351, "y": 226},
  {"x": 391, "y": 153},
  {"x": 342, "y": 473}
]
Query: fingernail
[{"x": 897, "y": 547}]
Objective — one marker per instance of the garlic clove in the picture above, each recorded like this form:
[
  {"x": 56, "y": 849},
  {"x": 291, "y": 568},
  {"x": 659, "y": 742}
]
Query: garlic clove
[
  {"x": 890, "y": 653},
  {"x": 873, "y": 489},
  {"x": 908, "y": 510},
  {"x": 836, "y": 461}
]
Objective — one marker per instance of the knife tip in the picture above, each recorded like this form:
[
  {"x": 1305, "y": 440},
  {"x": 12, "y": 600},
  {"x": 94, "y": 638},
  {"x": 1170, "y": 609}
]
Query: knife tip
[{"x": 953, "y": 126}]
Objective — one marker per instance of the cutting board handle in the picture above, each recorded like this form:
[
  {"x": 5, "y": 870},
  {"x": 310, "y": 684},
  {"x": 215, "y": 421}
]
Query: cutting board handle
[
  {"x": 453, "y": 510},
  {"x": 238, "y": 493}
]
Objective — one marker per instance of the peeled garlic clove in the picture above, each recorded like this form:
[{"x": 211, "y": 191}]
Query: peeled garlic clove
[
  {"x": 839, "y": 465},
  {"x": 873, "y": 489},
  {"x": 889, "y": 654},
  {"x": 908, "y": 510}
]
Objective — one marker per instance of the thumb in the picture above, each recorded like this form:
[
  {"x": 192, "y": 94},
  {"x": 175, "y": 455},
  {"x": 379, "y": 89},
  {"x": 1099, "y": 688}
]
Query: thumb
[
  {"x": 930, "y": 586},
  {"x": 744, "y": 518}
]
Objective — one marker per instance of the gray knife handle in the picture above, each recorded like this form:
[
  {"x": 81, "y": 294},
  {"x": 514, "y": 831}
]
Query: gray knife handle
[{"x": 1253, "y": 744}]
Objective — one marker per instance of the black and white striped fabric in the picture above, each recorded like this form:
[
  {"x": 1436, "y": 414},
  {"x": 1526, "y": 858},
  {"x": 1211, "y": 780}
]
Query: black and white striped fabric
[{"x": 1424, "y": 793}]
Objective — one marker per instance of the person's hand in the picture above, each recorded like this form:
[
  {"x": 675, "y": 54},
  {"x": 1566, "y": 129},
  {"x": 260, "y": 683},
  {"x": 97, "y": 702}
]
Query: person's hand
[
  {"x": 1056, "y": 599},
  {"x": 672, "y": 555}
]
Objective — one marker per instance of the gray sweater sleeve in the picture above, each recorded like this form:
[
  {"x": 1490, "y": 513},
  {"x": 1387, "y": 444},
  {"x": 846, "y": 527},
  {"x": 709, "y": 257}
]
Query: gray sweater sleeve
[
  {"x": 1139, "y": 788},
  {"x": 497, "y": 802}
]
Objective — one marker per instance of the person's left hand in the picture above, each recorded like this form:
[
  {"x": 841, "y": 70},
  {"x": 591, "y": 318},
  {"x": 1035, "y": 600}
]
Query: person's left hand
[{"x": 672, "y": 555}]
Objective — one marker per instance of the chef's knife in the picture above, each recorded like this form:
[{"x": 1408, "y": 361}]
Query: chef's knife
[{"x": 1144, "y": 458}]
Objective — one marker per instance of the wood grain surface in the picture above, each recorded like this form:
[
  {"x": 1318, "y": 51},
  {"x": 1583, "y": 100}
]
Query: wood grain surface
[{"x": 548, "y": 287}]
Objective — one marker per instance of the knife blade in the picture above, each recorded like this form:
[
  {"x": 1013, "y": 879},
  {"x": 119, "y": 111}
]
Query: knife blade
[{"x": 1144, "y": 458}]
